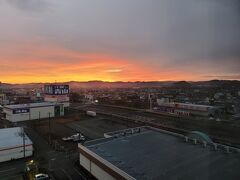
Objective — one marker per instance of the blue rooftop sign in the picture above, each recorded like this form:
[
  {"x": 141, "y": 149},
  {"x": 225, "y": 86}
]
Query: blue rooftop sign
[{"x": 20, "y": 110}]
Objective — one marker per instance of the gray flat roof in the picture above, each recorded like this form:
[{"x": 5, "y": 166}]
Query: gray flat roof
[
  {"x": 30, "y": 105},
  {"x": 154, "y": 154},
  {"x": 12, "y": 137}
]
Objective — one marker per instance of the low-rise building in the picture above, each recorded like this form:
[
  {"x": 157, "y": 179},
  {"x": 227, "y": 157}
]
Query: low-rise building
[
  {"x": 14, "y": 144},
  {"x": 32, "y": 111},
  {"x": 189, "y": 109},
  {"x": 149, "y": 153}
]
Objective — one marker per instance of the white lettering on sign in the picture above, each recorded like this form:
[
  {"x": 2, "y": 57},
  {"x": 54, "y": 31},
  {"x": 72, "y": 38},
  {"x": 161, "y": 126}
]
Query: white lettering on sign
[
  {"x": 57, "y": 89},
  {"x": 19, "y": 111}
]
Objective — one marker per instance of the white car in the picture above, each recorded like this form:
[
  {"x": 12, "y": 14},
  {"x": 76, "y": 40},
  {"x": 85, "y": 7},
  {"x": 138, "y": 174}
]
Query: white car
[
  {"x": 75, "y": 138},
  {"x": 41, "y": 177}
]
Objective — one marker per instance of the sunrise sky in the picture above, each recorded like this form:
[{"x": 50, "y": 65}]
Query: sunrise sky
[{"x": 121, "y": 40}]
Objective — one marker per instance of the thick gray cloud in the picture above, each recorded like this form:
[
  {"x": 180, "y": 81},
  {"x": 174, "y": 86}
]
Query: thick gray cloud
[
  {"x": 170, "y": 34},
  {"x": 236, "y": 76},
  {"x": 30, "y": 5}
]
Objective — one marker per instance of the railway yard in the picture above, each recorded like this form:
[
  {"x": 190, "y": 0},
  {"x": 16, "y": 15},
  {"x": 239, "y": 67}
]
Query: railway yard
[{"x": 226, "y": 132}]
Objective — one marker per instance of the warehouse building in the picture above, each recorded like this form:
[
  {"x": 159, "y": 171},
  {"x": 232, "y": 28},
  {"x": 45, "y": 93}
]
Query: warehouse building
[
  {"x": 12, "y": 143},
  {"x": 32, "y": 111},
  {"x": 149, "y": 153}
]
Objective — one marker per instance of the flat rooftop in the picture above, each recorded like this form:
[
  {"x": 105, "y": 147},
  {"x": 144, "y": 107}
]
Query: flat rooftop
[
  {"x": 30, "y": 105},
  {"x": 157, "y": 154},
  {"x": 12, "y": 137}
]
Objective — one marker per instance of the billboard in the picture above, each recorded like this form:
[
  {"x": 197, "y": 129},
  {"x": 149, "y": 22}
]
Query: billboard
[
  {"x": 56, "y": 89},
  {"x": 20, "y": 110}
]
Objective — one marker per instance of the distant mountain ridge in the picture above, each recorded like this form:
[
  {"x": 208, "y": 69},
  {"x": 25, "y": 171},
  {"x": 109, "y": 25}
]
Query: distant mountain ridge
[
  {"x": 121, "y": 84},
  {"x": 182, "y": 84}
]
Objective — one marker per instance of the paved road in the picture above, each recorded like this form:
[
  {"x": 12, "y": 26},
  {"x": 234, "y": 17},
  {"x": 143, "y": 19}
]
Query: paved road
[
  {"x": 12, "y": 170},
  {"x": 61, "y": 164}
]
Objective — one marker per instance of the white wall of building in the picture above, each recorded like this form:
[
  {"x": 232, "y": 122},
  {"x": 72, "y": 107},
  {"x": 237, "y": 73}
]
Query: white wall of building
[
  {"x": 100, "y": 173},
  {"x": 8, "y": 114},
  {"x": 35, "y": 113},
  {"x": 18, "y": 117},
  {"x": 15, "y": 153},
  {"x": 44, "y": 112},
  {"x": 95, "y": 170},
  {"x": 85, "y": 162}
]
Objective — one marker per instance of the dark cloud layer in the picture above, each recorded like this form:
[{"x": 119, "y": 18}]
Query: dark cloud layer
[
  {"x": 174, "y": 34},
  {"x": 227, "y": 77},
  {"x": 30, "y": 5}
]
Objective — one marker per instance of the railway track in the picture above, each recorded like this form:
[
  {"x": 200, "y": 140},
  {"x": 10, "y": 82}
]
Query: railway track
[{"x": 218, "y": 131}]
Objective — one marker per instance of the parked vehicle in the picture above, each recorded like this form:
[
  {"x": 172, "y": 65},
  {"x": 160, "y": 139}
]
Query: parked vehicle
[
  {"x": 91, "y": 113},
  {"x": 75, "y": 138},
  {"x": 41, "y": 177}
]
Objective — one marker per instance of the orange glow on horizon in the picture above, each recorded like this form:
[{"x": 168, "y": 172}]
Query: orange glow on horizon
[{"x": 42, "y": 63}]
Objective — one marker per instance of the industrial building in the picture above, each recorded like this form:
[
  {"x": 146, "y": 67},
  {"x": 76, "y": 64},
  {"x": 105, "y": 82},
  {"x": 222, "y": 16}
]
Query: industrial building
[
  {"x": 149, "y": 153},
  {"x": 185, "y": 109},
  {"x": 32, "y": 111},
  {"x": 14, "y": 144}
]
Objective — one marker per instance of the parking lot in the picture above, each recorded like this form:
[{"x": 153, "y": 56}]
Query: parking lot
[
  {"x": 90, "y": 127},
  {"x": 51, "y": 152}
]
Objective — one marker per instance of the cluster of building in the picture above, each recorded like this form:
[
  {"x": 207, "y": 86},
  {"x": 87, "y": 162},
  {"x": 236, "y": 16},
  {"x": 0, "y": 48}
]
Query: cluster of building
[
  {"x": 55, "y": 103},
  {"x": 192, "y": 101},
  {"x": 14, "y": 143},
  {"x": 203, "y": 102}
]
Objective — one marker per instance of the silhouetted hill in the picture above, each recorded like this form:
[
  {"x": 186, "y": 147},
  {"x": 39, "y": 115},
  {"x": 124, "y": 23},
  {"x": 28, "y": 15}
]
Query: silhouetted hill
[
  {"x": 138, "y": 84},
  {"x": 182, "y": 84}
]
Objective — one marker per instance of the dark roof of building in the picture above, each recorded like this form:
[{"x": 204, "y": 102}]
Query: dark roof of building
[{"x": 158, "y": 154}]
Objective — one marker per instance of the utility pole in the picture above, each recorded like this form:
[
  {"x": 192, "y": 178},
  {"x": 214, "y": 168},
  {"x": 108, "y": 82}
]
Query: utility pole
[
  {"x": 49, "y": 127},
  {"x": 39, "y": 116},
  {"x": 23, "y": 135},
  {"x": 150, "y": 101},
  {"x": 29, "y": 113}
]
